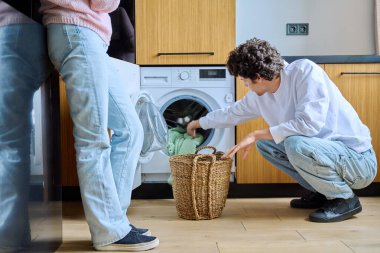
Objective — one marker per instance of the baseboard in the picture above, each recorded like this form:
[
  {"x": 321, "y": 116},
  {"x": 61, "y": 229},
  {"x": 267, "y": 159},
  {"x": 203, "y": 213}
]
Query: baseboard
[{"x": 164, "y": 191}]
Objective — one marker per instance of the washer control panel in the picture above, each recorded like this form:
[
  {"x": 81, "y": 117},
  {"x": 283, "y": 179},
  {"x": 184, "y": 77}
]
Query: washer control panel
[
  {"x": 199, "y": 74},
  {"x": 184, "y": 75},
  {"x": 187, "y": 76},
  {"x": 229, "y": 98}
]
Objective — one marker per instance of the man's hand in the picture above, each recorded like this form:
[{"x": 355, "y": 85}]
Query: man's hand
[
  {"x": 246, "y": 145},
  {"x": 192, "y": 127}
]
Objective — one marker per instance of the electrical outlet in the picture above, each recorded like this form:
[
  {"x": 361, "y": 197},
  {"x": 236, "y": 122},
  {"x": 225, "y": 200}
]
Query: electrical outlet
[
  {"x": 291, "y": 29},
  {"x": 303, "y": 29},
  {"x": 297, "y": 29}
]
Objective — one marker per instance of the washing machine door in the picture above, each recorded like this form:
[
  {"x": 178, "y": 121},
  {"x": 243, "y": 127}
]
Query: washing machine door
[
  {"x": 154, "y": 125},
  {"x": 179, "y": 110}
]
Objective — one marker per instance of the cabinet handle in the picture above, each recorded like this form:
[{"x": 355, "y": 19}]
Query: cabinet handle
[
  {"x": 360, "y": 73},
  {"x": 186, "y": 53}
]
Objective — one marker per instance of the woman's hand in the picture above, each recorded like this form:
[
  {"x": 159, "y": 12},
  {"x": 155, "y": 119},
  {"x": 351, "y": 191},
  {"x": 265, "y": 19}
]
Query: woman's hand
[
  {"x": 246, "y": 145},
  {"x": 192, "y": 127}
]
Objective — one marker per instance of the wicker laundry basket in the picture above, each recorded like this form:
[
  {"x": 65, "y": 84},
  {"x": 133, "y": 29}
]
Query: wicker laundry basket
[{"x": 200, "y": 184}]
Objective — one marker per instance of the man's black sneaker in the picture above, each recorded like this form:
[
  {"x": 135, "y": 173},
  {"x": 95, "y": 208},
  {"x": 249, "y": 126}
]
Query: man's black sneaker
[
  {"x": 311, "y": 200},
  {"x": 133, "y": 241},
  {"x": 141, "y": 231},
  {"x": 337, "y": 210}
]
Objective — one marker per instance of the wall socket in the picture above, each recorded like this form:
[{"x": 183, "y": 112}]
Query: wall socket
[{"x": 297, "y": 29}]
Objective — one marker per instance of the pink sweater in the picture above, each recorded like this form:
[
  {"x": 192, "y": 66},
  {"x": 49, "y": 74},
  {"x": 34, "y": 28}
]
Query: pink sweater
[
  {"x": 92, "y": 14},
  {"x": 9, "y": 15}
]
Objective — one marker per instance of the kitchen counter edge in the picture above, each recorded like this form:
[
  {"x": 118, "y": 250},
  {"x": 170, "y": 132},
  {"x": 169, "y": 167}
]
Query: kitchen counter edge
[{"x": 337, "y": 59}]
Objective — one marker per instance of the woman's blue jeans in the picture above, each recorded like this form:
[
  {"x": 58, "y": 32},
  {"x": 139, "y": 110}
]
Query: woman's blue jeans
[
  {"x": 328, "y": 167},
  {"x": 98, "y": 99},
  {"x": 23, "y": 68}
]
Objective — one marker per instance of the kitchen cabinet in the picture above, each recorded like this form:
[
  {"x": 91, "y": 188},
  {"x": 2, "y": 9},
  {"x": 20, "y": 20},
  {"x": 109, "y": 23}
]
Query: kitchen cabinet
[
  {"x": 360, "y": 85},
  {"x": 68, "y": 163},
  {"x": 184, "y": 31}
]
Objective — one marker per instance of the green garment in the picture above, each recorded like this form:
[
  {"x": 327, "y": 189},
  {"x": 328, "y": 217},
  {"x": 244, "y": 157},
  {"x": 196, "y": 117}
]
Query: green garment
[{"x": 179, "y": 143}]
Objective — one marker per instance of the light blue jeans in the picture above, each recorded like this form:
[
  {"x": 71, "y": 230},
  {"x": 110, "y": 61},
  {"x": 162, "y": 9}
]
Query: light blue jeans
[
  {"x": 328, "y": 167},
  {"x": 98, "y": 99},
  {"x": 23, "y": 68}
]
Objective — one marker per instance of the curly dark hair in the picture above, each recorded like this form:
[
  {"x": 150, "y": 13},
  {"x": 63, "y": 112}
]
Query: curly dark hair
[{"x": 254, "y": 57}]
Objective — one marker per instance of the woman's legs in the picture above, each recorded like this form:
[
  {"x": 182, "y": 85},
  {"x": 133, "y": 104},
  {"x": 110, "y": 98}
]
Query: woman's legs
[
  {"x": 80, "y": 56},
  {"x": 23, "y": 68}
]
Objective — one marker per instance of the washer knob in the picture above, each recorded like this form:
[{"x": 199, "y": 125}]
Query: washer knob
[
  {"x": 184, "y": 75},
  {"x": 229, "y": 98}
]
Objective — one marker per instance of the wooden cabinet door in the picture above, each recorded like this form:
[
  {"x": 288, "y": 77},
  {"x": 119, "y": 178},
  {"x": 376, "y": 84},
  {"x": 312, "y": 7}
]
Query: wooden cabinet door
[
  {"x": 196, "y": 31},
  {"x": 68, "y": 163},
  {"x": 360, "y": 85}
]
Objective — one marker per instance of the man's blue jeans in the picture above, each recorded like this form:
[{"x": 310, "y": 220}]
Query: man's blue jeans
[
  {"x": 98, "y": 99},
  {"x": 23, "y": 68},
  {"x": 328, "y": 167}
]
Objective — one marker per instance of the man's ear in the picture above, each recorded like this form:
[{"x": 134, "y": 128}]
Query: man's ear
[{"x": 258, "y": 77}]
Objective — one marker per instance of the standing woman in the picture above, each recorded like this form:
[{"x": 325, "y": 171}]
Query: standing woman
[{"x": 78, "y": 37}]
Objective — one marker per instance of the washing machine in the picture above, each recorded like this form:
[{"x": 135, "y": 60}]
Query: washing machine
[
  {"x": 154, "y": 124},
  {"x": 187, "y": 92}
]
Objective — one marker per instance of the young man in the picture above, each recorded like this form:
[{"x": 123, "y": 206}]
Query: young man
[{"x": 314, "y": 135}]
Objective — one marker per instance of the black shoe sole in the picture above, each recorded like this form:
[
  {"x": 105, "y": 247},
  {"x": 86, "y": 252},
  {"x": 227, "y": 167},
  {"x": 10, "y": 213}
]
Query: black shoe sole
[{"x": 341, "y": 217}]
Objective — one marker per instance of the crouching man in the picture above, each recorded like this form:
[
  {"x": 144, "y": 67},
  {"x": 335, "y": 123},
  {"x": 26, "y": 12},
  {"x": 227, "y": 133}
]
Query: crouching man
[{"x": 314, "y": 135}]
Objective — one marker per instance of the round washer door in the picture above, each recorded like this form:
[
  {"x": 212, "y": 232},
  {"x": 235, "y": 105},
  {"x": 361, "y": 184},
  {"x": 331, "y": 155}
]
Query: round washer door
[
  {"x": 154, "y": 125},
  {"x": 181, "y": 109}
]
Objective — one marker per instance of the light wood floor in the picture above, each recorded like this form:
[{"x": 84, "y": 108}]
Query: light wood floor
[{"x": 246, "y": 225}]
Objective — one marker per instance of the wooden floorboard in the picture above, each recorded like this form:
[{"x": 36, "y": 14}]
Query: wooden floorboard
[{"x": 247, "y": 225}]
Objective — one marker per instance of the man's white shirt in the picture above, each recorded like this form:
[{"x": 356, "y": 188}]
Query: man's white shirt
[{"x": 306, "y": 103}]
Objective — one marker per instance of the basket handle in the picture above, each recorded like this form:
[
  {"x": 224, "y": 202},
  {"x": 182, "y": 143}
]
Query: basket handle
[
  {"x": 195, "y": 161},
  {"x": 209, "y": 188},
  {"x": 205, "y": 147}
]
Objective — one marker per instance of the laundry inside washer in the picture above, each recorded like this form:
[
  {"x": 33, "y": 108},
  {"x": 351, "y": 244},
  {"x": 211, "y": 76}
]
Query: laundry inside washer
[
  {"x": 179, "y": 142},
  {"x": 182, "y": 112}
]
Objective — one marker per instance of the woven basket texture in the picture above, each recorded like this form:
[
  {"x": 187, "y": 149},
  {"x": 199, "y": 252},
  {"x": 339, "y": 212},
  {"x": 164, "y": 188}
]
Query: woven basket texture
[{"x": 200, "y": 184}]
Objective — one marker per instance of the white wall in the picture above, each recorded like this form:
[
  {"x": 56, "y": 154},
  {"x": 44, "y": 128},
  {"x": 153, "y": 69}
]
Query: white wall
[{"x": 336, "y": 27}]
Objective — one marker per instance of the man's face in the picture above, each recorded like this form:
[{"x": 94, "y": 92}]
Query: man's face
[
  {"x": 261, "y": 86},
  {"x": 258, "y": 86}
]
